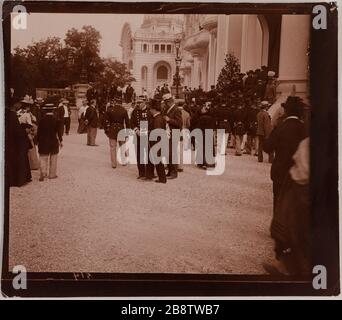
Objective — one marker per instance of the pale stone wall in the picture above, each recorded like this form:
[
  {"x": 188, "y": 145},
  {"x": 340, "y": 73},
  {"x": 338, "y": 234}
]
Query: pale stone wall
[{"x": 293, "y": 64}]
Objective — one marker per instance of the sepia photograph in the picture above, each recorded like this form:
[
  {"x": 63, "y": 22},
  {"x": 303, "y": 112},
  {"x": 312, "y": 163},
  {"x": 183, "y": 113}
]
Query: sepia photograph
[{"x": 173, "y": 143}]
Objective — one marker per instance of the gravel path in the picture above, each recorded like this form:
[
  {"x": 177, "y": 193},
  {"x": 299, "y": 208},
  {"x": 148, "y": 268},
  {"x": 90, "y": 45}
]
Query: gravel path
[{"x": 97, "y": 219}]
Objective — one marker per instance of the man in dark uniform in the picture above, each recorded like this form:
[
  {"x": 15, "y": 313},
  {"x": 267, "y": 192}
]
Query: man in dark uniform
[
  {"x": 157, "y": 121},
  {"x": 115, "y": 119},
  {"x": 252, "y": 125},
  {"x": 139, "y": 114},
  {"x": 173, "y": 118},
  {"x": 223, "y": 115},
  {"x": 206, "y": 121}
]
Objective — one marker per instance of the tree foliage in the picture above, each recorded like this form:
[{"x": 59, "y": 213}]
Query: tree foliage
[
  {"x": 53, "y": 63},
  {"x": 229, "y": 74},
  {"x": 115, "y": 73}
]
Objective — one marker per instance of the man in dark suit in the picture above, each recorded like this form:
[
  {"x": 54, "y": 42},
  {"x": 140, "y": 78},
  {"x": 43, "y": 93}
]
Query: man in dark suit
[
  {"x": 173, "y": 118},
  {"x": 115, "y": 119},
  {"x": 49, "y": 141},
  {"x": 239, "y": 128},
  {"x": 91, "y": 120},
  {"x": 207, "y": 121},
  {"x": 129, "y": 94},
  {"x": 157, "y": 121},
  {"x": 284, "y": 141},
  {"x": 223, "y": 116}
]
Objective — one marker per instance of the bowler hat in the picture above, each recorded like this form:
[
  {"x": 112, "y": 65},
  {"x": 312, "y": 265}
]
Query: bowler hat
[{"x": 293, "y": 105}]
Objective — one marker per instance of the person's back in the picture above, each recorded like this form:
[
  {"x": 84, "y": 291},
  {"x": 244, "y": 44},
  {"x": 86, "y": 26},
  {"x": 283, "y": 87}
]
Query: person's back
[
  {"x": 264, "y": 123},
  {"x": 118, "y": 114},
  {"x": 47, "y": 135},
  {"x": 91, "y": 116},
  {"x": 284, "y": 141}
]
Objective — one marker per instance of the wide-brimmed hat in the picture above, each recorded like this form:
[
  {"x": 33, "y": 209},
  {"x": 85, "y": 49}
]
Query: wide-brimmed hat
[
  {"x": 264, "y": 104},
  {"x": 167, "y": 96},
  {"x": 27, "y": 100},
  {"x": 63, "y": 100},
  {"x": 271, "y": 73}
]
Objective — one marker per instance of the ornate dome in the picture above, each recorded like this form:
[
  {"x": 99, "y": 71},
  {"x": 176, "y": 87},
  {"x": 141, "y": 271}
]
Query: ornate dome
[
  {"x": 162, "y": 19},
  {"x": 166, "y": 26}
]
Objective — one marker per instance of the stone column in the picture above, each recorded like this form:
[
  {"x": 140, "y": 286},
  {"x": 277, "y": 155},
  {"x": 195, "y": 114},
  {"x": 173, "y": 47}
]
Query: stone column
[
  {"x": 212, "y": 59},
  {"x": 293, "y": 59},
  {"x": 221, "y": 41},
  {"x": 195, "y": 73}
]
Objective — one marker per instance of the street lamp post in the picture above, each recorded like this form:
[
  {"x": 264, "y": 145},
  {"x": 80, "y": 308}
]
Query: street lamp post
[
  {"x": 83, "y": 76},
  {"x": 178, "y": 59}
]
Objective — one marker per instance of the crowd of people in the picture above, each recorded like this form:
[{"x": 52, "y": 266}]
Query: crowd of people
[{"x": 240, "y": 110}]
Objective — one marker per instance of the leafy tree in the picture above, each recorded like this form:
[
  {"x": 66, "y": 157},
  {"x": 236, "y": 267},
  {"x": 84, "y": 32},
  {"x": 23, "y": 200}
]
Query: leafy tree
[
  {"x": 84, "y": 48},
  {"x": 229, "y": 74},
  {"x": 52, "y": 63},
  {"x": 41, "y": 64},
  {"x": 115, "y": 73}
]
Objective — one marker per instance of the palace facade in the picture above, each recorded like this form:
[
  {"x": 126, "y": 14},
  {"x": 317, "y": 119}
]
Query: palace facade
[{"x": 278, "y": 41}]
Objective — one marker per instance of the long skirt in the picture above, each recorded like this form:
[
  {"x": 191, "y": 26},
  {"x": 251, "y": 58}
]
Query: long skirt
[
  {"x": 33, "y": 158},
  {"x": 291, "y": 225}
]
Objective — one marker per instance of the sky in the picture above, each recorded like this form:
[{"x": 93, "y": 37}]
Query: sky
[{"x": 43, "y": 25}]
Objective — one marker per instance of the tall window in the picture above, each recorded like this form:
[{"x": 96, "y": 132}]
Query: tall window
[
  {"x": 162, "y": 48},
  {"x": 156, "y": 48},
  {"x": 145, "y": 48},
  {"x": 162, "y": 73},
  {"x": 168, "y": 48}
]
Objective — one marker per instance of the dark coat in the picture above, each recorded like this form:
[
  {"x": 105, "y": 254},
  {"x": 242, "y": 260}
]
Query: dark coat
[
  {"x": 223, "y": 116},
  {"x": 137, "y": 116},
  {"x": 17, "y": 144},
  {"x": 91, "y": 117},
  {"x": 175, "y": 115},
  {"x": 252, "y": 122},
  {"x": 48, "y": 135},
  {"x": 60, "y": 112},
  {"x": 264, "y": 123},
  {"x": 129, "y": 94},
  {"x": 284, "y": 141},
  {"x": 240, "y": 121},
  {"x": 115, "y": 119}
]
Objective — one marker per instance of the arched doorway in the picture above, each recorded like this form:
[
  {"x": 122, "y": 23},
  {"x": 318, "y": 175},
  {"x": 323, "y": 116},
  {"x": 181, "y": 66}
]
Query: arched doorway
[
  {"x": 255, "y": 42},
  {"x": 161, "y": 73}
]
